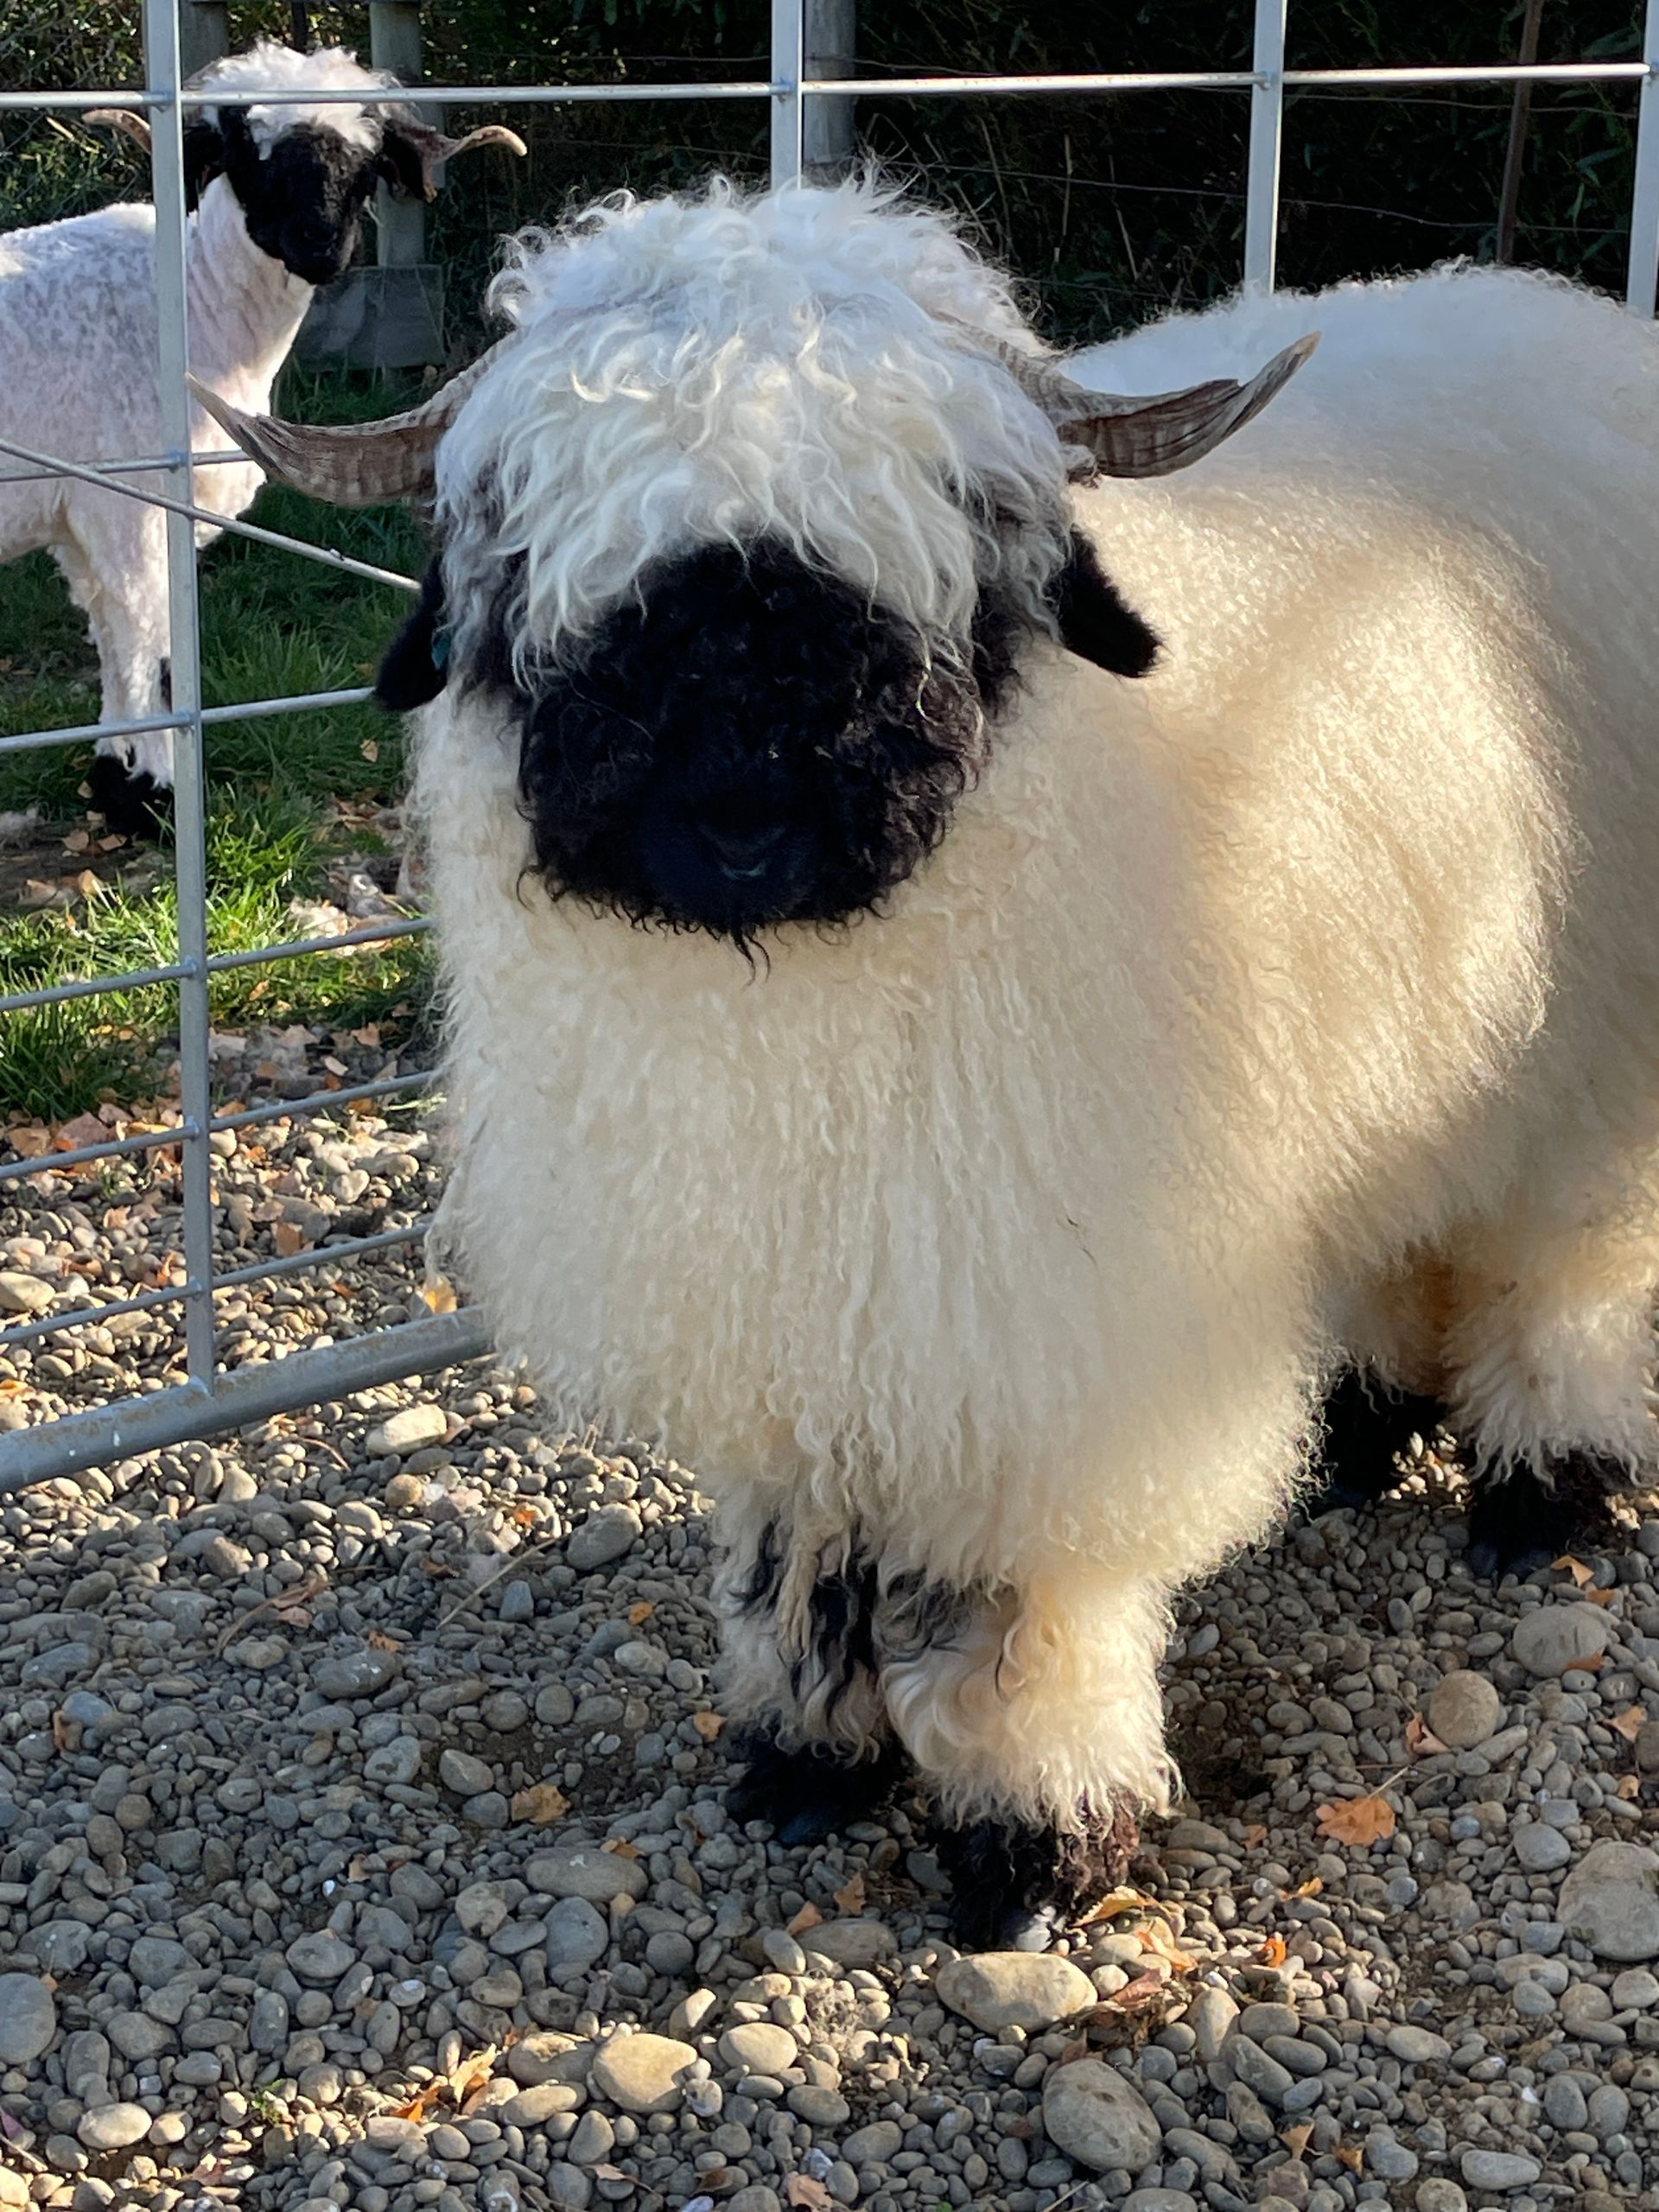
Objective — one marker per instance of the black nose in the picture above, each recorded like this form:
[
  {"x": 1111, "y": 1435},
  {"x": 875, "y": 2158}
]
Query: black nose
[{"x": 742, "y": 854}]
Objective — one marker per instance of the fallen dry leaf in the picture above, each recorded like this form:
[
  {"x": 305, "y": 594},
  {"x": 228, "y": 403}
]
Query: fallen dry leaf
[
  {"x": 1600, "y": 1596},
  {"x": 1296, "y": 2139},
  {"x": 639, "y": 1614},
  {"x": 801, "y": 2188},
  {"x": 707, "y": 1725},
  {"x": 431, "y": 2094},
  {"x": 1351, "y": 2154},
  {"x": 808, "y": 1916},
  {"x": 60, "y": 1728},
  {"x": 29, "y": 1140},
  {"x": 288, "y": 1236},
  {"x": 524, "y": 1516},
  {"x": 1360, "y": 1820},
  {"x": 1421, "y": 1742},
  {"x": 1308, "y": 1889},
  {"x": 1576, "y": 1567},
  {"x": 437, "y": 1293},
  {"x": 1254, "y": 1836},
  {"x": 1629, "y": 1723},
  {"x": 541, "y": 1803},
  {"x": 1273, "y": 1952},
  {"x": 378, "y": 1640},
  {"x": 1160, "y": 1940},
  {"x": 851, "y": 1900},
  {"x": 619, "y": 1847},
  {"x": 473, "y": 2076},
  {"x": 1117, "y": 1902},
  {"x": 1142, "y": 1991}
]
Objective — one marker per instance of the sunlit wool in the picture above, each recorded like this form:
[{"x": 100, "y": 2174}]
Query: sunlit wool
[{"x": 1006, "y": 1237}]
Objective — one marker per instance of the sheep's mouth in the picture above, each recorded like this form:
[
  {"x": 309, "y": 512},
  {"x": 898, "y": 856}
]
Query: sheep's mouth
[{"x": 748, "y": 745}]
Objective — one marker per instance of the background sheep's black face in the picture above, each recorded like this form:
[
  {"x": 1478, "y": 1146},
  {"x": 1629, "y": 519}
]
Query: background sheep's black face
[
  {"x": 749, "y": 744},
  {"x": 303, "y": 196}
]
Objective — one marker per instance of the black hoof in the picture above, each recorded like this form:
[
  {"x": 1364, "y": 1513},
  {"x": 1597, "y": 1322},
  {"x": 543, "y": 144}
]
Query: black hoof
[
  {"x": 134, "y": 805},
  {"x": 1013, "y": 1888},
  {"x": 1367, "y": 1425},
  {"x": 807, "y": 1794},
  {"x": 1522, "y": 1524}
]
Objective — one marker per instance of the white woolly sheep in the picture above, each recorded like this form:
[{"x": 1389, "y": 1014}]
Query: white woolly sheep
[
  {"x": 1113, "y": 1062},
  {"x": 279, "y": 193}
]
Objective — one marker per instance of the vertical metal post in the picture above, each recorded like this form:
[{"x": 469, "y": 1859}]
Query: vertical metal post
[
  {"x": 827, "y": 139},
  {"x": 1267, "y": 138},
  {"x": 204, "y": 32},
  {"x": 1645, "y": 205},
  {"x": 395, "y": 44},
  {"x": 1509, "y": 198},
  {"x": 788, "y": 47},
  {"x": 184, "y": 651}
]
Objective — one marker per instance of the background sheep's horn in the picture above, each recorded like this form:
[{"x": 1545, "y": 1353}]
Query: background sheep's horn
[
  {"x": 351, "y": 464},
  {"x": 1128, "y": 436},
  {"x": 121, "y": 118},
  {"x": 437, "y": 147}
]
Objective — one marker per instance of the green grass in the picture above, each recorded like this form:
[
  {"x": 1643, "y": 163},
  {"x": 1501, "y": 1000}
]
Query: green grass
[{"x": 286, "y": 793}]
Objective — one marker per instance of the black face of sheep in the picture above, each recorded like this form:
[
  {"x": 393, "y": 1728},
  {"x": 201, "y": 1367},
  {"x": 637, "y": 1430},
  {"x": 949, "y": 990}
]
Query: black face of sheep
[
  {"x": 749, "y": 742},
  {"x": 302, "y": 197}
]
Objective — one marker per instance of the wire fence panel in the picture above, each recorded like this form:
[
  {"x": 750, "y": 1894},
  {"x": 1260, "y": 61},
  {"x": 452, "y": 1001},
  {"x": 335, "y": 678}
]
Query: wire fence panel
[{"x": 212, "y": 1395}]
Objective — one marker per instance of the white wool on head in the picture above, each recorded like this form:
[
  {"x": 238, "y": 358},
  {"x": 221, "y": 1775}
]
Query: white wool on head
[
  {"x": 696, "y": 371},
  {"x": 266, "y": 66}
]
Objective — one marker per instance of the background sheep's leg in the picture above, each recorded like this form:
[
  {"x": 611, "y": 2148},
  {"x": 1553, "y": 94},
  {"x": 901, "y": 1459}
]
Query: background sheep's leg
[
  {"x": 116, "y": 574},
  {"x": 800, "y": 1680},
  {"x": 1367, "y": 1424},
  {"x": 1551, "y": 1360},
  {"x": 1035, "y": 1719}
]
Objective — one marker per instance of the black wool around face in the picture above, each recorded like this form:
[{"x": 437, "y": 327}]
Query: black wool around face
[{"x": 750, "y": 742}]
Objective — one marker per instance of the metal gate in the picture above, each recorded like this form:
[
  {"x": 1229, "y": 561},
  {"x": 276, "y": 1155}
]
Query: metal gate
[{"x": 211, "y": 1399}]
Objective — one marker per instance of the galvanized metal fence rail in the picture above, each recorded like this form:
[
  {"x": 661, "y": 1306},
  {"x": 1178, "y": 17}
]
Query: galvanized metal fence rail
[{"x": 211, "y": 1399}]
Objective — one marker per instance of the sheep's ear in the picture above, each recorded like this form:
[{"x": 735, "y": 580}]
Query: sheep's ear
[
  {"x": 416, "y": 665},
  {"x": 401, "y": 165},
  {"x": 204, "y": 157},
  {"x": 1095, "y": 620}
]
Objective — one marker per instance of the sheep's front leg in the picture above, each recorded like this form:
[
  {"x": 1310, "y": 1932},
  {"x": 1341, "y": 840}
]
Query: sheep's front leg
[
  {"x": 797, "y": 1613},
  {"x": 1035, "y": 1719},
  {"x": 118, "y": 580}
]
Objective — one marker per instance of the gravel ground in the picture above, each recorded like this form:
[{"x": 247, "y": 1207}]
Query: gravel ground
[
  {"x": 100, "y": 1235},
  {"x": 362, "y": 1842}
]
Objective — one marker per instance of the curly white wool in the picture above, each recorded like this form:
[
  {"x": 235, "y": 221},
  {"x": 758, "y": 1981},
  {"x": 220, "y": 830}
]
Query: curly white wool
[
  {"x": 267, "y": 66},
  {"x": 1303, "y": 998},
  {"x": 702, "y": 372}
]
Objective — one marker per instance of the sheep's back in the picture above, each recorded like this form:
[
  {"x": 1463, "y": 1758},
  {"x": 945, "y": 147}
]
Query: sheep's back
[{"x": 1408, "y": 626}]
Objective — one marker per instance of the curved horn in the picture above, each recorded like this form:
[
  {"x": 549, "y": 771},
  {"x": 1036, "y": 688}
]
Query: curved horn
[
  {"x": 121, "y": 118},
  {"x": 352, "y": 464},
  {"x": 435, "y": 147},
  {"x": 1156, "y": 434}
]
